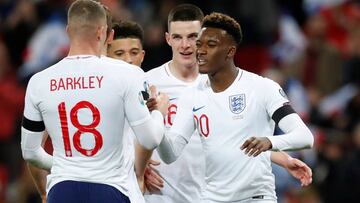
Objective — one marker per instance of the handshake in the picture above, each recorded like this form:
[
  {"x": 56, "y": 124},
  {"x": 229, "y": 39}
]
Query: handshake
[{"x": 155, "y": 100}]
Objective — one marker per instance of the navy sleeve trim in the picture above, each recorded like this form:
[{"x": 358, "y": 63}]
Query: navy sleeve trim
[
  {"x": 282, "y": 112},
  {"x": 34, "y": 126}
]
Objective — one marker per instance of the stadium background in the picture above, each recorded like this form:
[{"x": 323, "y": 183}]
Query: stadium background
[{"x": 310, "y": 47}]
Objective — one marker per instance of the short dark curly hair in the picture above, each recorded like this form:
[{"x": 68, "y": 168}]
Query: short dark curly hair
[
  {"x": 128, "y": 29},
  {"x": 224, "y": 22}
]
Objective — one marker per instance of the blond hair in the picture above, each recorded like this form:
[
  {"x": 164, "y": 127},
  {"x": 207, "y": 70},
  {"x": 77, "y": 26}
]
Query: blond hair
[{"x": 84, "y": 16}]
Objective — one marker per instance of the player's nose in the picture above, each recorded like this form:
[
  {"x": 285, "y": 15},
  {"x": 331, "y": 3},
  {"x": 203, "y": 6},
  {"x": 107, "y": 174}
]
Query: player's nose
[
  {"x": 128, "y": 58},
  {"x": 185, "y": 43}
]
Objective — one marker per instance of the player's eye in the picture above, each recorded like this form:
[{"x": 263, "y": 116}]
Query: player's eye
[
  {"x": 193, "y": 37},
  {"x": 176, "y": 37},
  {"x": 198, "y": 44},
  {"x": 211, "y": 45},
  {"x": 134, "y": 53},
  {"x": 119, "y": 53}
]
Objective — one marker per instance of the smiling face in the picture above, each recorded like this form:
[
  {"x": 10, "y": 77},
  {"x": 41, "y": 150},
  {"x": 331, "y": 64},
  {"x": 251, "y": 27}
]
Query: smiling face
[
  {"x": 214, "y": 49},
  {"x": 127, "y": 49},
  {"x": 181, "y": 37}
]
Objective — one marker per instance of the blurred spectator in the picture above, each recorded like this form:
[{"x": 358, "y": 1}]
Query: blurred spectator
[
  {"x": 48, "y": 44},
  {"x": 293, "y": 89},
  {"x": 20, "y": 22},
  {"x": 352, "y": 64},
  {"x": 351, "y": 171},
  {"x": 352, "y": 111},
  {"x": 291, "y": 41},
  {"x": 329, "y": 166},
  {"x": 322, "y": 62},
  {"x": 11, "y": 105}
]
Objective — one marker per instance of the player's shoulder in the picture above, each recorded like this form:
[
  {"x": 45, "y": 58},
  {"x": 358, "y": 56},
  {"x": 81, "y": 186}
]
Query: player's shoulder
[
  {"x": 119, "y": 65},
  {"x": 157, "y": 71},
  {"x": 45, "y": 74},
  {"x": 256, "y": 80}
]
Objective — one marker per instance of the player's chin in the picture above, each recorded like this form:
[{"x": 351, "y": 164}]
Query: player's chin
[{"x": 203, "y": 69}]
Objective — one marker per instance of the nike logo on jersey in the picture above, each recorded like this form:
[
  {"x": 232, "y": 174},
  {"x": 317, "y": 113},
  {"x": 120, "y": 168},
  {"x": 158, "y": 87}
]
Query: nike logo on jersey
[
  {"x": 172, "y": 98},
  {"x": 197, "y": 109}
]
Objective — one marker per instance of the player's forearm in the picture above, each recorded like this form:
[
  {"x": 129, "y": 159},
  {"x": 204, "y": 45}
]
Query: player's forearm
[
  {"x": 297, "y": 135},
  {"x": 280, "y": 158},
  {"x": 150, "y": 133},
  {"x": 171, "y": 147},
  {"x": 39, "y": 179},
  {"x": 32, "y": 150},
  {"x": 142, "y": 156}
]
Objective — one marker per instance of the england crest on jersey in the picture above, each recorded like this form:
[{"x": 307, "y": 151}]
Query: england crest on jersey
[{"x": 237, "y": 103}]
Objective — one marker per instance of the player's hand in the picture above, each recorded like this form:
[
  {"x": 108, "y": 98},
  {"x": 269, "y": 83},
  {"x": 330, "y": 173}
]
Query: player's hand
[
  {"x": 158, "y": 101},
  {"x": 152, "y": 102},
  {"x": 299, "y": 170},
  {"x": 153, "y": 181},
  {"x": 255, "y": 145}
]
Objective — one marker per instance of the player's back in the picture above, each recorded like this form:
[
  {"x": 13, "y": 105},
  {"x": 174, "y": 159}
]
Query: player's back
[{"x": 81, "y": 100}]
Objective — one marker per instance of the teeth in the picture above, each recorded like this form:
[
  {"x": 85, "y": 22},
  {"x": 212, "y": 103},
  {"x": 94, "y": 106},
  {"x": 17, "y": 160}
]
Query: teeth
[{"x": 201, "y": 61}]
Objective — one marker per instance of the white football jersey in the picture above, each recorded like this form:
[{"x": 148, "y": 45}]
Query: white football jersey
[
  {"x": 84, "y": 101},
  {"x": 184, "y": 178},
  {"x": 224, "y": 121},
  {"x": 134, "y": 192}
]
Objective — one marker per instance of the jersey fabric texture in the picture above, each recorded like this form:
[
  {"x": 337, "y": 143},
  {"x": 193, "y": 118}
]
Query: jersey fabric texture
[
  {"x": 83, "y": 102},
  {"x": 183, "y": 179},
  {"x": 224, "y": 121}
]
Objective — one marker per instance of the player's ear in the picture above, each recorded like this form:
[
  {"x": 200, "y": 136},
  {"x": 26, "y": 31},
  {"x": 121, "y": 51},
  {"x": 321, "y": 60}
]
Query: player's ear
[
  {"x": 167, "y": 37},
  {"x": 99, "y": 32},
  {"x": 143, "y": 55},
  {"x": 232, "y": 51},
  {"x": 110, "y": 37}
]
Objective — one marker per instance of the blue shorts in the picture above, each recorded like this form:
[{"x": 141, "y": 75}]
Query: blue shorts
[{"x": 85, "y": 192}]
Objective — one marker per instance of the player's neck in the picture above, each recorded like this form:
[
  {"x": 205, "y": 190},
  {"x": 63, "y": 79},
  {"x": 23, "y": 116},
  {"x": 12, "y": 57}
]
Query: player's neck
[
  {"x": 184, "y": 73},
  {"x": 78, "y": 47},
  {"x": 223, "y": 79}
]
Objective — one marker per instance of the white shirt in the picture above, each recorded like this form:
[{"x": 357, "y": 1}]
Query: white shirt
[
  {"x": 84, "y": 101},
  {"x": 185, "y": 177},
  {"x": 225, "y": 120},
  {"x": 134, "y": 192}
]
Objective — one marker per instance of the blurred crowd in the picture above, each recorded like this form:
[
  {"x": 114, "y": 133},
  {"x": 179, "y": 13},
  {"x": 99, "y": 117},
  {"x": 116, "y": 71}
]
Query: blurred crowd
[{"x": 310, "y": 47}]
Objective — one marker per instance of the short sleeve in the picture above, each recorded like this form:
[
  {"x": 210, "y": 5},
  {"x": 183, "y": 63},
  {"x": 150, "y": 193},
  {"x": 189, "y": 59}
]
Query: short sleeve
[{"x": 274, "y": 96}]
